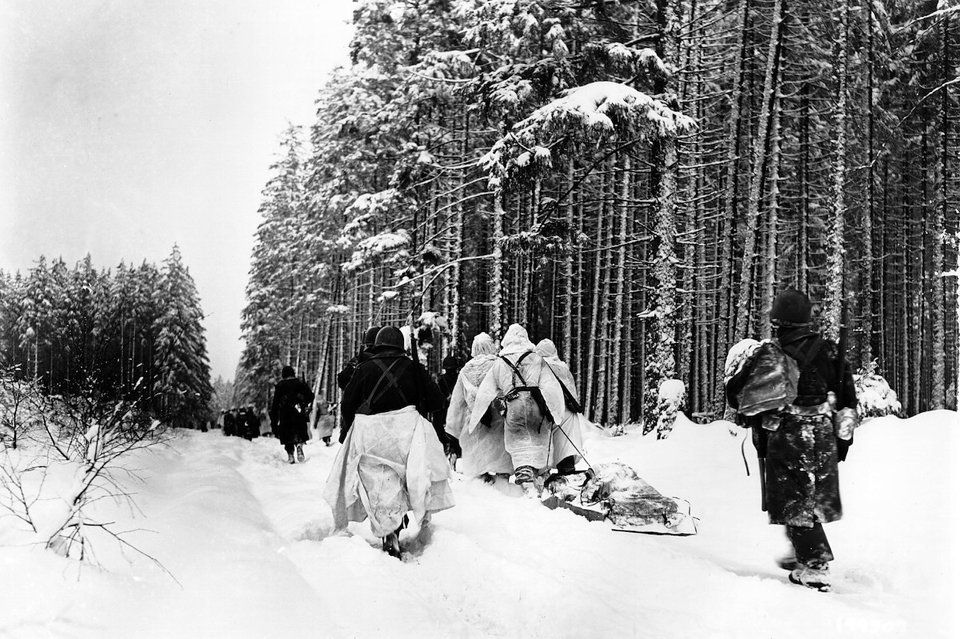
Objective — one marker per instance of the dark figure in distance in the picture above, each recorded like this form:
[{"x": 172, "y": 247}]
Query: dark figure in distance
[{"x": 289, "y": 413}]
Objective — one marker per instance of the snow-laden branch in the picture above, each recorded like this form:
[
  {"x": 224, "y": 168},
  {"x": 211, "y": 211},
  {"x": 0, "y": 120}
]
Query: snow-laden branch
[
  {"x": 591, "y": 113},
  {"x": 376, "y": 247}
]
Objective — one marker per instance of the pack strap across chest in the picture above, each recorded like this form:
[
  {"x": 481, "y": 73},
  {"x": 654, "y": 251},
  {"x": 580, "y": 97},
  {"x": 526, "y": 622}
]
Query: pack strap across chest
[
  {"x": 522, "y": 386},
  {"x": 387, "y": 380}
]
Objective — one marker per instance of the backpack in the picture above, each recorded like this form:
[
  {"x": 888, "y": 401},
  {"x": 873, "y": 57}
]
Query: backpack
[
  {"x": 534, "y": 391},
  {"x": 772, "y": 382}
]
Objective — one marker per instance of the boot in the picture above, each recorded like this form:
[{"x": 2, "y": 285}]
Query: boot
[
  {"x": 526, "y": 478},
  {"x": 391, "y": 545},
  {"x": 815, "y": 578},
  {"x": 300, "y": 453},
  {"x": 290, "y": 459}
]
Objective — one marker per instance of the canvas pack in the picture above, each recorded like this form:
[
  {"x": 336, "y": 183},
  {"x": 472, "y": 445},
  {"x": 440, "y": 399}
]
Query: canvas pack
[{"x": 772, "y": 383}]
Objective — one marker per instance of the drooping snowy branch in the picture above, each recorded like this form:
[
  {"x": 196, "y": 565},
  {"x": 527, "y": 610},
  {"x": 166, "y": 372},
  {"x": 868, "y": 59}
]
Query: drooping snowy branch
[{"x": 591, "y": 114}]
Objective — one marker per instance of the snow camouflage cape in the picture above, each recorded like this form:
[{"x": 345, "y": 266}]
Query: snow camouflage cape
[
  {"x": 483, "y": 448},
  {"x": 390, "y": 463},
  {"x": 526, "y": 435},
  {"x": 567, "y": 434}
]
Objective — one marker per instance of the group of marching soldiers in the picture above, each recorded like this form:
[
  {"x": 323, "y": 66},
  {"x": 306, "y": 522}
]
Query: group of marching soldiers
[
  {"x": 513, "y": 412},
  {"x": 240, "y": 422},
  {"x": 510, "y": 412}
]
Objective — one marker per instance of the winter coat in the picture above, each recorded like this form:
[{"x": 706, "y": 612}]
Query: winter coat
[
  {"x": 370, "y": 393},
  {"x": 445, "y": 383},
  {"x": 325, "y": 421},
  {"x": 483, "y": 448},
  {"x": 288, "y": 412},
  {"x": 251, "y": 424},
  {"x": 801, "y": 476},
  {"x": 567, "y": 435},
  {"x": 527, "y": 421},
  {"x": 229, "y": 424},
  {"x": 343, "y": 377}
]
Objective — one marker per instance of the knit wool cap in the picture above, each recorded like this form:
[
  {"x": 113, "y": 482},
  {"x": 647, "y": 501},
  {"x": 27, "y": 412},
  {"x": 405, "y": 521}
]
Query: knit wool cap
[{"x": 791, "y": 308}]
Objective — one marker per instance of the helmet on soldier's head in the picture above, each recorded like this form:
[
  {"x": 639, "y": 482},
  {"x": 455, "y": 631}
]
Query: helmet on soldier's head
[
  {"x": 390, "y": 336},
  {"x": 791, "y": 308},
  {"x": 370, "y": 337}
]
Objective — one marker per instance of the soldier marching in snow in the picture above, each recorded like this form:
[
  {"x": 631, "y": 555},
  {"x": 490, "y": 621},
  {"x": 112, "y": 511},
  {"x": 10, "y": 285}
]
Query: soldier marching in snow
[
  {"x": 391, "y": 461},
  {"x": 445, "y": 382},
  {"x": 288, "y": 413},
  {"x": 801, "y": 443},
  {"x": 566, "y": 443},
  {"x": 229, "y": 423},
  {"x": 343, "y": 377},
  {"x": 251, "y": 423},
  {"x": 326, "y": 421},
  {"x": 482, "y": 449},
  {"x": 521, "y": 382}
]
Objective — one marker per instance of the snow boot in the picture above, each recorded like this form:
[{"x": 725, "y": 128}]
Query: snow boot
[
  {"x": 300, "y": 453},
  {"x": 814, "y": 578},
  {"x": 526, "y": 478},
  {"x": 391, "y": 545}
]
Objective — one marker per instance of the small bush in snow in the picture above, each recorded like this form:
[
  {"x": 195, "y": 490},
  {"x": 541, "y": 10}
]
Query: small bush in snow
[
  {"x": 68, "y": 455},
  {"x": 875, "y": 398}
]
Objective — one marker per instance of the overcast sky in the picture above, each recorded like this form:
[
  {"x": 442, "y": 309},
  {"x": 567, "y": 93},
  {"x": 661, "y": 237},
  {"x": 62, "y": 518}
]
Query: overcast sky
[{"x": 128, "y": 126}]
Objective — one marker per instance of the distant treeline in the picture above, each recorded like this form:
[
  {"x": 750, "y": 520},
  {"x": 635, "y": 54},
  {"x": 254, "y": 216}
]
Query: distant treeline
[{"x": 133, "y": 333}]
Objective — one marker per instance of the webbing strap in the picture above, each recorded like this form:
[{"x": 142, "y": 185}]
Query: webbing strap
[
  {"x": 516, "y": 367},
  {"x": 391, "y": 381}
]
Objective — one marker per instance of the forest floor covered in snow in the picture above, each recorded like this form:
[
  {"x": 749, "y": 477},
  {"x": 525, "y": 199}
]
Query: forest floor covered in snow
[{"x": 243, "y": 548}]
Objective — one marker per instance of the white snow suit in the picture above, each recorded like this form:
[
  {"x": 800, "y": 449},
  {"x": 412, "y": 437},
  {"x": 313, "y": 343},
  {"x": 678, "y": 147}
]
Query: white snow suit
[
  {"x": 483, "y": 448},
  {"x": 526, "y": 424},
  {"x": 567, "y": 435}
]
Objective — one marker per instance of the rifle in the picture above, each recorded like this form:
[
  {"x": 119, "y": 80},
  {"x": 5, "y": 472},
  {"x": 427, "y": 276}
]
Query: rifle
[
  {"x": 840, "y": 414},
  {"x": 842, "y": 342}
]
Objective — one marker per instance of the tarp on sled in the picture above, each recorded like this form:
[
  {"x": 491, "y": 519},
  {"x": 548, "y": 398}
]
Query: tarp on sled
[{"x": 616, "y": 493}]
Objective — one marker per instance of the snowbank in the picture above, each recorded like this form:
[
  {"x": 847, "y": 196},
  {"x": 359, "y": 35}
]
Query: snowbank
[{"x": 247, "y": 538}]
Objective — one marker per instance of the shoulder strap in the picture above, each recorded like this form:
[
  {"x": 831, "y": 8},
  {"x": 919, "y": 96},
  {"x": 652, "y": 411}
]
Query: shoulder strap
[
  {"x": 808, "y": 356},
  {"x": 516, "y": 367},
  {"x": 387, "y": 376},
  {"x": 567, "y": 394}
]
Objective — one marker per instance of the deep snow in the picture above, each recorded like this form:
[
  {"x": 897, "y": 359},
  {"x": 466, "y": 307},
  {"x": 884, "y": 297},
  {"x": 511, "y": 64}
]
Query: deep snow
[{"x": 245, "y": 537}]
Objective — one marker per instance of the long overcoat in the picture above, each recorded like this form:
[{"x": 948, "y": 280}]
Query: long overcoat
[
  {"x": 288, "y": 412},
  {"x": 801, "y": 476}
]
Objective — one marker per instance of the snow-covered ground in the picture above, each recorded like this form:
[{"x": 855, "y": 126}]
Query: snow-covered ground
[{"x": 245, "y": 538}]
